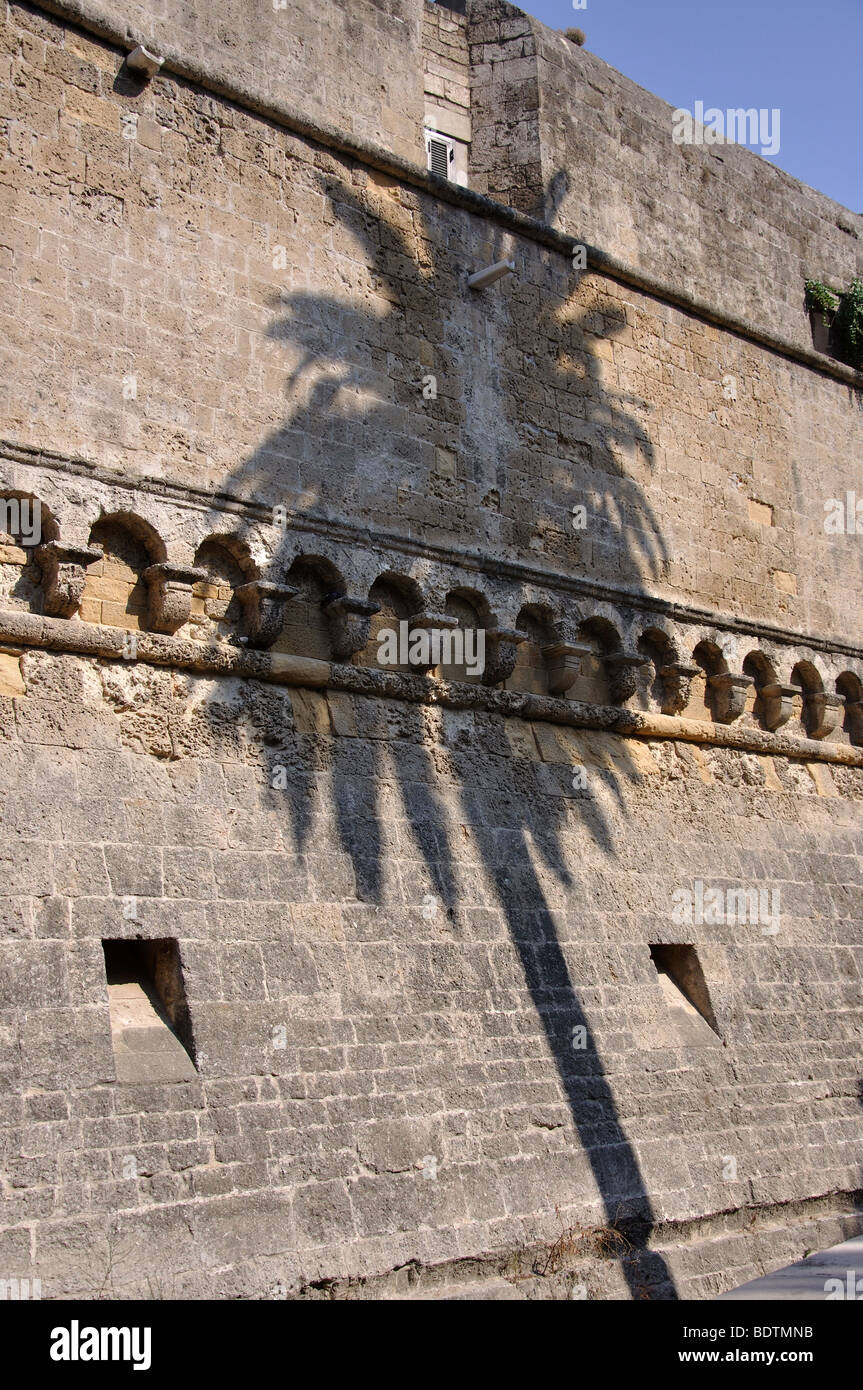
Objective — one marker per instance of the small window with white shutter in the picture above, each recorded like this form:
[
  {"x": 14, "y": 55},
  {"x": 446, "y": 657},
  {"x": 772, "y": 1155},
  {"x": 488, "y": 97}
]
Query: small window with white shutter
[{"x": 440, "y": 154}]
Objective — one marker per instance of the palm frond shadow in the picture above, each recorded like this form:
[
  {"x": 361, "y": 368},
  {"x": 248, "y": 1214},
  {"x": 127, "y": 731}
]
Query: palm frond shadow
[{"x": 513, "y": 812}]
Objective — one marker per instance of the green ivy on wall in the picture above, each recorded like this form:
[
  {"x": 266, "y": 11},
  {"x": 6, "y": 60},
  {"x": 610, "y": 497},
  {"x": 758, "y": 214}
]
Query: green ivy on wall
[
  {"x": 848, "y": 325},
  {"x": 821, "y": 296},
  {"x": 844, "y": 314}
]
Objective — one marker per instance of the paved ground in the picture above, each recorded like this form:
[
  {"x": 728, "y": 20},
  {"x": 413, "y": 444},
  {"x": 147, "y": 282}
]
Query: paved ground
[{"x": 833, "y": 1274}]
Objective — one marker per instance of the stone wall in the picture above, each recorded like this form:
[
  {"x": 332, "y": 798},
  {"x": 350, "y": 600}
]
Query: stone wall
[
  {"x": 560, "y": 133},
  {"x": 387, "y": 956},
  {"x": 357, "y": 68},
  {"x": 217, "y": 302},
  {"x": 259, "y": 413}
]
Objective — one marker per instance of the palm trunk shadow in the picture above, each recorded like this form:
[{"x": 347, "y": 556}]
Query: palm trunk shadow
[
  {"x": 530, "y": 921},
  {"x": 613, "y": 1161}
]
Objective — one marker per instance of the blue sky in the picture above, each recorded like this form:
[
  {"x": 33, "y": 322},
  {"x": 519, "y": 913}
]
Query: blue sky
[{"x": 801, "y": 57}]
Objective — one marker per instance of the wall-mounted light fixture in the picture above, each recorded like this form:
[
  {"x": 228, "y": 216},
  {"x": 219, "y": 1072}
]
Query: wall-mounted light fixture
[
  {"x": 142, "y": 61},
  {"x": 481, "y": 279}
]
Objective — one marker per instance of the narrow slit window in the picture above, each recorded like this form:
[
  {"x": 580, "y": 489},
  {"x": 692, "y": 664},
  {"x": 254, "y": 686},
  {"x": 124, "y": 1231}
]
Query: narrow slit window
[
  {"x": 151, "y": 1028},
  {"x": 684, "y": 989}
]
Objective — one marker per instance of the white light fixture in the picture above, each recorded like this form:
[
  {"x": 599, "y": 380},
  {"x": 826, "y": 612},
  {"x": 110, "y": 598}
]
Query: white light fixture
[
  {"x": 481, "y": 279},
  {"x": 143, "y": 61}
]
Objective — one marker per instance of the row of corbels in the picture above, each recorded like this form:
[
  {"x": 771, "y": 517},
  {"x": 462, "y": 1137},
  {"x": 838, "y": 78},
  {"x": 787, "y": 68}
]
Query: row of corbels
[{"x": 170, "y": 590}]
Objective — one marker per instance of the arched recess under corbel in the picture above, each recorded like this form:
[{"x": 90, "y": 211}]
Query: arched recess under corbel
[
  {"x": 28, "y": 533},
  {"x": 396, "y": 598},
  {"x": 117, "y": 591},
  {"x": 306, "y": 629},
  {"x": 226, "y": 563},
  {"x": 849, "y": 687}
]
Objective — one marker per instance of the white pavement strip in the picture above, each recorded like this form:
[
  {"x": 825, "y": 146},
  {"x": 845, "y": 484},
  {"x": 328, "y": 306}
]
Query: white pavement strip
[{"x": 834, "y": 1274}]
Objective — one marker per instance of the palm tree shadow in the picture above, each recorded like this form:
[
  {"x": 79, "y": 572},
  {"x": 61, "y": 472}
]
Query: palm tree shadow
[{"x": 514, "y": 811}]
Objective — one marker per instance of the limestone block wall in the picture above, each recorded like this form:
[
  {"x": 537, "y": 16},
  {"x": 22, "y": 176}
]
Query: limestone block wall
[
  {"x": 560, "y": 133},
  {"x": 356, "y": 67},
  {"x": 217, "y": 302},
  {"x": 244, "y": 382},
  {"x": 416, "y": 951},
  {"x": 387, "y": 953}
]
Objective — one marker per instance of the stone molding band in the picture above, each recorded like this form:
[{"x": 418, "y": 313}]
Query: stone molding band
[
  {"x": 346, "y": 533},
  {"x": 20, "y": 629}
]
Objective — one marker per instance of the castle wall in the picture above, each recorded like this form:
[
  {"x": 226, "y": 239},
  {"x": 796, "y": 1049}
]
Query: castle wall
[
  {"x": 386, "y": 959},
  {"x": 278, "y": 312},
  {"x": 357, "y": 68},
  {"x": 428, "y": 1031},
  {"x": 561, "y": 134}
]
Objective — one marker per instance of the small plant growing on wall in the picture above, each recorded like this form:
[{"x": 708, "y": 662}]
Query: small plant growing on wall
[
  {"x": 837, "y": 320},
  {"x": 821, "y": 297},
  {"x": 848, "y": 325},
  {"x": 577, "y": 36}
]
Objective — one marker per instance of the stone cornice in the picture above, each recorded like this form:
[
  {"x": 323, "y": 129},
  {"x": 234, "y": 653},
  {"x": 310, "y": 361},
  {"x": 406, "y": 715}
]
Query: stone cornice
[
  {"x": 471, "y": 561},
  {"x": 19, "y": 629}
]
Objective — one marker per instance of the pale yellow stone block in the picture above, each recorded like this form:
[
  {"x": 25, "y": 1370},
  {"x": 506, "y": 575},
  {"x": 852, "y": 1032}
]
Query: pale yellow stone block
[
  {"x": 311, "y": 712},
  {"x": 760, "y": 512},
  {"x": 823, "y": 778},
  {"x": 91, "y": 610},
  {"x": 11, "y": 680},
  {"x": 520, "y": 738}
]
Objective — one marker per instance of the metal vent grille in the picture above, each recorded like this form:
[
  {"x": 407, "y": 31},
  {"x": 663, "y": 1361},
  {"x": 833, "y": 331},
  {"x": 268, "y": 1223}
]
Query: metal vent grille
[{"x": 440, "y": 155}]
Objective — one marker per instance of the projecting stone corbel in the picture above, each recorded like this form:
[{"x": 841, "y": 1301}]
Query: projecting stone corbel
[
  {"x": 64, "y": 574},
  {"x": 822, "y": 713},
  {"x": 263, "y": 605},
  {"x": 435, "y": 625},
  {"x": 169, "y": 595},
  {"x": 502, "y": 644},
  {"x": 563, "y": 664},
  {"x": 777, "y": 703},
  {"x": 622, "y": 671},
  {"x": 729, "y": 695},
  {"x": 144, "y": 62},
  {"x": 677, "y": 678},
  {"x": 350, "y": 621},
  {"x": 854, "y": 720}
]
